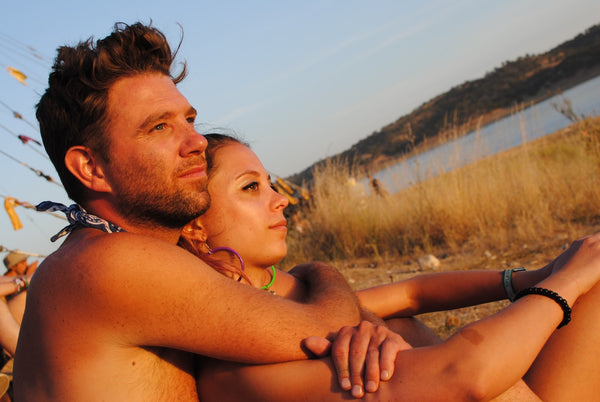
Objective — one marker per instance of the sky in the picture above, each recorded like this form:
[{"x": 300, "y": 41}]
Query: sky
[{"x": 299, "y": 81}]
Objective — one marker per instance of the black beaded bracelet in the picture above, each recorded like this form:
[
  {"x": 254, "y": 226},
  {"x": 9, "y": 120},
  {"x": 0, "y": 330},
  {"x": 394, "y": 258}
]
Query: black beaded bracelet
[{"x": 564, "y": 305}]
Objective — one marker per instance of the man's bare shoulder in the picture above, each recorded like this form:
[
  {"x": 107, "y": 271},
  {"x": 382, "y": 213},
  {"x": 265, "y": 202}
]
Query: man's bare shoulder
[
  {"x": 100, "y": 302},
  {"x": 92, "y": 241},
  {"x": 101, "y": 269},
  {"x": 94, "y": 251},
  {"x": 124, "y": 281}
]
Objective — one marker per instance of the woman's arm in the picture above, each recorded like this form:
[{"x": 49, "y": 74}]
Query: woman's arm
[
  {"x": 302, "y": 381},
  {"x": 443, "y": 291},
  {"x": 479, "y": 362}
]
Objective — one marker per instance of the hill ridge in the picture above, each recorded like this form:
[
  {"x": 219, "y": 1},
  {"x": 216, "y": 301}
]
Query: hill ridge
[{"x": 528, "y": 79}]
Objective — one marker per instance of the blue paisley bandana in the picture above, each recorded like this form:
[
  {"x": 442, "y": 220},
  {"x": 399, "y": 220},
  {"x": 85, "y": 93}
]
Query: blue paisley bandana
[{"x": 77, "y": 217}]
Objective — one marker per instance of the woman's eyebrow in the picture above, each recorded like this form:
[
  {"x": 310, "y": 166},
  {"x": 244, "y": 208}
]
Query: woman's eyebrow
[{"x": 248, "y": 172}]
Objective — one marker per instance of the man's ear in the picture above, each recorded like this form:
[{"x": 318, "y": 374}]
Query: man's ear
[{"x": 85, "y": 166}]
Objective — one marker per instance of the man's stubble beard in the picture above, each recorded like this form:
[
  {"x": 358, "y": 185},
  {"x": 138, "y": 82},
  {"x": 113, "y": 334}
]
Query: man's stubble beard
[{"x": 145, "y": 201}]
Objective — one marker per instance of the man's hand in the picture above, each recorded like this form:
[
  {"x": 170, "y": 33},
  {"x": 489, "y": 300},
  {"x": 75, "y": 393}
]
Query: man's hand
[{"x": 367, "y": 350}]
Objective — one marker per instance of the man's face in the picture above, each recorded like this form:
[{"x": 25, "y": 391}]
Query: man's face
[{"x": 157, "y": 169}]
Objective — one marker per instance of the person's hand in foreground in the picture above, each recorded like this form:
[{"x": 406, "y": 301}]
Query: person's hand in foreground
[{"x": 363, "y": 355}]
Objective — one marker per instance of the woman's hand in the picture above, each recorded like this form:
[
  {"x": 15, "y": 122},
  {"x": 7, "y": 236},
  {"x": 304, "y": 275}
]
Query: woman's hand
[{"x": 580, "y": 263}]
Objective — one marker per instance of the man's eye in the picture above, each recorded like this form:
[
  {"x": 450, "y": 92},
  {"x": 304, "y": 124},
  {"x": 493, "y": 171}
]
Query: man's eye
[
  {"x": 191, "y": 119},
  {"x": 159, "y": 127}
]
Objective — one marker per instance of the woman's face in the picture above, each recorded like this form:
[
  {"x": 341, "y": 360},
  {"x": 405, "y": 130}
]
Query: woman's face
[{"x": 245, "y": 213}]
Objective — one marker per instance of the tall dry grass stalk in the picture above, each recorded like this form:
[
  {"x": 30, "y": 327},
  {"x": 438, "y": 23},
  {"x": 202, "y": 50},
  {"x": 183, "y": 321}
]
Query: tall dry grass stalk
[{"x": 526, "y": 194}]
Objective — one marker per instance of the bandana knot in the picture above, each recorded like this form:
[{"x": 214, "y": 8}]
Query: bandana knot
[{"x": 77, "y": 216}]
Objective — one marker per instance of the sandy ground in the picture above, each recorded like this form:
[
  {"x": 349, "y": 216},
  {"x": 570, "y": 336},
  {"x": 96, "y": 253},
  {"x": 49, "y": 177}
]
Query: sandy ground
[{"x": 366, "y": 273}]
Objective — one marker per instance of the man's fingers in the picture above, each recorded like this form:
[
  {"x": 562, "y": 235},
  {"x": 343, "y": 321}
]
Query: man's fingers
[
  {"x": 389, "y": 351},
  {"x": 365, "y": 355},
  {"x": 339, "y": 355},
  {"x": 317, "y": 345},
  {"x": 363, "y": 349},
  {"x": 372, "y": 373}
]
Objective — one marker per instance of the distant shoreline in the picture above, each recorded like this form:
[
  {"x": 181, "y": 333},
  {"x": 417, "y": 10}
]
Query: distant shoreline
[
  {"x": 507, "y": 89},
  {"x": 491, "y": 117}
]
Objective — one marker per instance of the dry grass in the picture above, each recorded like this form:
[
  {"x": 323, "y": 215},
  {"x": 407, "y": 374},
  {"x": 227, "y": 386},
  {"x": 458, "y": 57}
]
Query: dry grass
[
  {"x": 531, "y": 192},
  {"x": 518, "y": 208}
]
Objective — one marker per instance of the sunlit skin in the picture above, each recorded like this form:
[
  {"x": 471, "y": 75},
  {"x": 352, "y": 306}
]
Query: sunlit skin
[
  {"x": 246, "y": 213},
  {"x": 122, "y": 315},
  {"x": 240, "y": 186},
  {"x": 156, "y": 173},
  {"x": 155, "y": 130}
]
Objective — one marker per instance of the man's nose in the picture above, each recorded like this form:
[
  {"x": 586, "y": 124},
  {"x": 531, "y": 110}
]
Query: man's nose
[{"x": 194, "y": 143}]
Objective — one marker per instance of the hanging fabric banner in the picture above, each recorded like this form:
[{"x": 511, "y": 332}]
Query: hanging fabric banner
[
  {"x": 17, "y": 74},
  {"x": 9, "y": 206}
]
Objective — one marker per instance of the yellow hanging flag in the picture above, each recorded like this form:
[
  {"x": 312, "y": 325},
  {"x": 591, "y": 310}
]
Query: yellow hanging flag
[
  {"x": 9, "y": 205},
  {"x": 284, "y": 185},
  {"x": 17, "y": 74},
  {"x": 293, "y": 200}
]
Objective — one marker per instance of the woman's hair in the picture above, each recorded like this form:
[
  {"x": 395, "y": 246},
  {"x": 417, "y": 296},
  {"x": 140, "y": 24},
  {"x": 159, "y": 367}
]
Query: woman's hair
[
  {"x": 215, "y": 142},
  {"x": 194, "y": 245}
]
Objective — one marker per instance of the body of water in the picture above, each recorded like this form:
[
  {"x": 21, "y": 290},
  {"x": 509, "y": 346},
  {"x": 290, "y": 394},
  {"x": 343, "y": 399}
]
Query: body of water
[{"x": 516, "y": 129}]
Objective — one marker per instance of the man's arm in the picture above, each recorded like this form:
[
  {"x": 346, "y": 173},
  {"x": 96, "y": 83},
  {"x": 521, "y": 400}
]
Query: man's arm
[{"x": 152, "y": 293}]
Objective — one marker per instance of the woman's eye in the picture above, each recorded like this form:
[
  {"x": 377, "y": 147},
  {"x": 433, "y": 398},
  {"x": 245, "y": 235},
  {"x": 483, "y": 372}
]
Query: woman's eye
[{"x": 252, "y": 186}]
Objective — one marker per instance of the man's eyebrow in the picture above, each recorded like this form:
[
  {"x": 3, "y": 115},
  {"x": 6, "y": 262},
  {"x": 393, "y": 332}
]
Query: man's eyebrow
[{"x": 150, "y": 119}]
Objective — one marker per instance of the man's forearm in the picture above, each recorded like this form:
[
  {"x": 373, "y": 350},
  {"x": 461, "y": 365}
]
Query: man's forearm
[{"x": 329, "y": 292}]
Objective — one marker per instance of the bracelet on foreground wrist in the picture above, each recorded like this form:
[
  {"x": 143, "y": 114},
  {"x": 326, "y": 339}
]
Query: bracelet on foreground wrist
[{"x": 564, "y": 305}]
